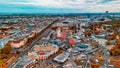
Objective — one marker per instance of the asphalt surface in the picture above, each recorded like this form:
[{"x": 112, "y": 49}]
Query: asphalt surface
[{"x": 24, "y": 52}]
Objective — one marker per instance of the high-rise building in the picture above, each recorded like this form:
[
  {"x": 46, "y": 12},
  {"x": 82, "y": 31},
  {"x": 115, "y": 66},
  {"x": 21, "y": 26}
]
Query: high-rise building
[{"x": 107, "y": 12}]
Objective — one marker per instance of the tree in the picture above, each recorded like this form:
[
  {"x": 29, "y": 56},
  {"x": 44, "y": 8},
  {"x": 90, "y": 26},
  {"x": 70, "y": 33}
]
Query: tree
[
  {"x": 118, "y": 43},
  {"x": 6, "y": 49},
  {"x": 3, "y": 56}
]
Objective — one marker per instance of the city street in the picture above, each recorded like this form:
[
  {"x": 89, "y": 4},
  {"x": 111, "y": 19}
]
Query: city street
[{"x": 23, "y": 52}]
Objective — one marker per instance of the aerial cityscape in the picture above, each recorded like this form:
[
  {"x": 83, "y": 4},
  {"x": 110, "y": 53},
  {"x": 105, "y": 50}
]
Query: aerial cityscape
[{"x": 60, "y": 34}]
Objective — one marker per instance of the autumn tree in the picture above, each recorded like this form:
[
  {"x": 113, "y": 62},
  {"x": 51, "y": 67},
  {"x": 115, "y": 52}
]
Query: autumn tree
[
  {"x": 3, "y": 56},
  {"x": 6, "y": 49},
  {"x": 118, "y": 43}
]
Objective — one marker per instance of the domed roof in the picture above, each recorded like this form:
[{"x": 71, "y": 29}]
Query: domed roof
[{"x": 83, "y": 46}]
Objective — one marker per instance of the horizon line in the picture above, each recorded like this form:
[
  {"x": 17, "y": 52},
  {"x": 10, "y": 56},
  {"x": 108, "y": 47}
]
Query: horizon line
[{"x": 55, "y": 13}]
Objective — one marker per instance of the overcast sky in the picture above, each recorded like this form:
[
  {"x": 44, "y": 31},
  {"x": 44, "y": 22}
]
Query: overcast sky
[{"x": 58, "y": 6}]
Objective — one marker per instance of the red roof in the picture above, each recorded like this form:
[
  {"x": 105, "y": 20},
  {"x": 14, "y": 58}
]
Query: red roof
[
  {"x": 41, "y": 53},
  {"x": 64, "y": 36},
  {"x": 72, "y": 42}
]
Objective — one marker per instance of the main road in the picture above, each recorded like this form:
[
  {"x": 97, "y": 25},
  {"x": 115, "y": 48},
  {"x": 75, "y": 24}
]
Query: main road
[{"x": 24, "y": 52}]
